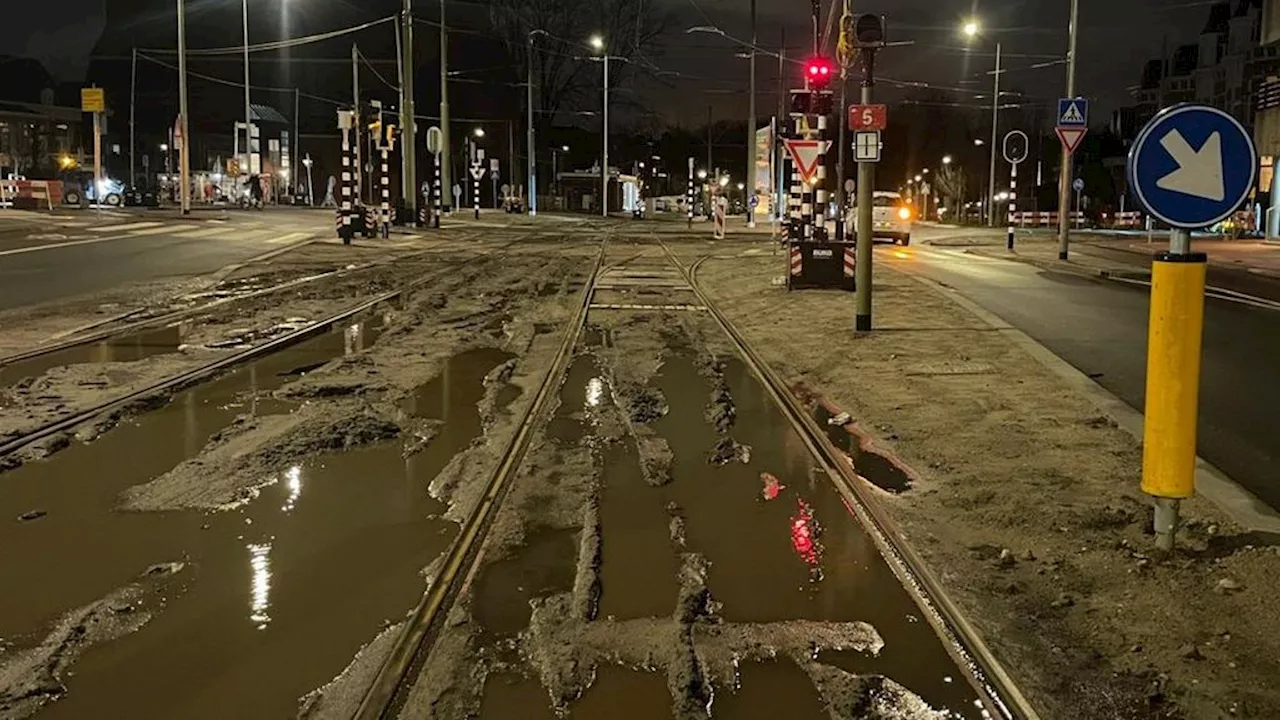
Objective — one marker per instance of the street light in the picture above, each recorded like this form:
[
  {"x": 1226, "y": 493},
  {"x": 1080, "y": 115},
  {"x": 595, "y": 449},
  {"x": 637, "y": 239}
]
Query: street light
[
  {"x": 533, "y": 167},
  {"x": 702, "y": 174},
  {"x": 971, "y": 30},
  {"x": 919, "y": 178},
  {"x": 946, "y": 159},
  {"x": 478, "y": 132},
  {"x": 597, "y": 43}
]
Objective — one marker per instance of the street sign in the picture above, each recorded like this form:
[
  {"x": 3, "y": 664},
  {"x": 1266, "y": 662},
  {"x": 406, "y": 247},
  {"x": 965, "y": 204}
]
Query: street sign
[
  {"x": 1073, "y": 112},
  {"x": 93, "y": 100},
  {"x": 805, "y": 154},
  {"x": 866, "y": 146},
  {"x": 493, "y": 165},
  {"x": 435, "y": 140},
  {"x": 1192, "y": 166},
  {"x": 506, "y": 189},
  {"x": 477, "y": 172},
  {"x": 177, "y": 133},
  {"x": 1016, "y": 145},
  {"x": 1071, "y": 137},
  {"x": 1078, "y": 185},
  {"x": 754, "y": 201},
  {"x": 868, "y": 117}
]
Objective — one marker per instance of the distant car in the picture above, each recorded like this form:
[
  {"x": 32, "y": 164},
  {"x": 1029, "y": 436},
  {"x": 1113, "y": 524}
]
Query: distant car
[{"x": 891, "y": 218}]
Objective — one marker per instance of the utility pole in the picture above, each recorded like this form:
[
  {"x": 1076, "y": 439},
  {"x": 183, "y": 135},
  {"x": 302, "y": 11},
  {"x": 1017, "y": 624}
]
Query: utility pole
[
  {"x": 408, "y": 128},
  {"x": 248, "y": 110},
  {"x": 604, "y": 165},
  {"x": 995, "y": 123},
  {"x": 133, "y": 98},
  {"x": 1064, "y": 178},
  {"x": 529, "y": 141},
  {"x": 710, "y": 178},
  {"x": 750, "y": 183},
  {"x": 446, "y": 149},
  {"x": 845, "y": 57},
  {"x": 184, "y": 155},
  {"x": 295, "y": 142},
  {"x": 780, "y": 197}
]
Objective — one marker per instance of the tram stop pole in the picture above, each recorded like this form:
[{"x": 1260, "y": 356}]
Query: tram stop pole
[{"x": 1173, "y": 381}]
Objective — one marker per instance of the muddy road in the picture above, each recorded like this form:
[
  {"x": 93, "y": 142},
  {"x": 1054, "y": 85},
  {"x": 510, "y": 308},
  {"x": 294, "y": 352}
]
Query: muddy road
[{"x": 664, "y": 542}]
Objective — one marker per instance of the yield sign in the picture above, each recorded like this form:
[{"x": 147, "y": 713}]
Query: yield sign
[
  {"x": 1070, "y": 137},
  {"x": 477, "y": 172},
  {"x": 805, "y": 154}
]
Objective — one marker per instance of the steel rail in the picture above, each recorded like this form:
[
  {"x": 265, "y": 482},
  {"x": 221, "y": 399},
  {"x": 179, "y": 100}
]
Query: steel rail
[
  {"x": 396, "y": 676},
  {"x": 995, "y": 686}
]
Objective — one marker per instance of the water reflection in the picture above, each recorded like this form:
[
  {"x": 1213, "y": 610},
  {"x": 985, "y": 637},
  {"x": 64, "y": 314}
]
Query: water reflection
[
  {"x": 595, "y": 391},
  {"x": 806, "y": 539},
  {"x": 354, "y": 339},
  {"x": 260, "y": 583},
  {"x": 293, "y": 484}
]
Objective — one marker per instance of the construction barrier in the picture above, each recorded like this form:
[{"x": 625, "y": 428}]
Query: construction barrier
[{"x": 30, "y": 194}]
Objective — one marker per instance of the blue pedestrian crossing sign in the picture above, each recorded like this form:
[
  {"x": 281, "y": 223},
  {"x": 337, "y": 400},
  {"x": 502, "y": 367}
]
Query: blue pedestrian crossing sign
[
  {"x": 1192, "y": 166},
  {"x": 1073, "y": 112}
]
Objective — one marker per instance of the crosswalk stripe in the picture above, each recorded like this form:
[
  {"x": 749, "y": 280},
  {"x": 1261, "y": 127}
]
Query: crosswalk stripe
[
  {"x": 290, "y": 238},
  {"x": 123, "y": 228},
  {"x": 162, "y": 230},
  {"x": 210, "y": 232}
]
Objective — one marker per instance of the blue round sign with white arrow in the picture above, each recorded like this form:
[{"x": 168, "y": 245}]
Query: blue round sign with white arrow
[{"x": 1192, "y": 166}]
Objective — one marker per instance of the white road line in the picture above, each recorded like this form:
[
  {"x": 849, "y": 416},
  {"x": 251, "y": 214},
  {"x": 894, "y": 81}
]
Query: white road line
[
  {"x": 209, "y": 232},
  {"x": 55, "y": 246},
  {"x": 290, "y": 238},
  {"x": 122, "y": 228},
  {"x": 162, "y": 230}
]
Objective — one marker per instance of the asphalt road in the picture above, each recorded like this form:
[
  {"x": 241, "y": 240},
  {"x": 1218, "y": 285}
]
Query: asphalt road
[
  {"x": 1100, "y": 327},
  {"x": 72, "y": 254}
]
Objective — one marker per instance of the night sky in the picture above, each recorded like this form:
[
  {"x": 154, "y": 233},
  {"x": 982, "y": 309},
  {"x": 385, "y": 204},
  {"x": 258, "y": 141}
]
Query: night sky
[{"x": 1116, "y": 37}]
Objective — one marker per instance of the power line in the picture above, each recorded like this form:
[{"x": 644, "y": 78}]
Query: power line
[
  {"x": 375, "y": 72},
  {"x": 232, "y": 83},
  {"x": 276, "y": 45}
]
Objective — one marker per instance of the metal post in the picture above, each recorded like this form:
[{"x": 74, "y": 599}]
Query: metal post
[
  {"x": 750, "y": 182},
  {"x": 842, "y": 121},
  {"x": 184, "y": 154},
  {"x": 511, "y": 163},
  {"x": 357, "y": 171},
  {"x": 446, "y": 150},
  {"x": 604, "y": 165},
  {"x": 689, "y": 196},
  {"x": 779, "y": 124},
  {"x": 311, "y": 186},
  {"x": 1064, "y": 177},
  {"x": 97, "y": 159},
  {"x": 866, "y": 181},
  {"x": 133, "y": 97},
  {"x": 384, "y": 180},
  {"x": 529, "y": 141},
  {"x": 408, "y": 126},
  {"x": 295, "y": 142},
  {"x": 248, "y": 112},
  {"x": 995, "y": 126},
  {"x": 1013, "y": 199},
  {"x": 710, "y": 177}
]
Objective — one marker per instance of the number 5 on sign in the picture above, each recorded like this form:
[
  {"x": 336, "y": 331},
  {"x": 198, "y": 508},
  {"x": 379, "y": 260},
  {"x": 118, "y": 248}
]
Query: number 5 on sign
[{"x": 867, "y": 117}]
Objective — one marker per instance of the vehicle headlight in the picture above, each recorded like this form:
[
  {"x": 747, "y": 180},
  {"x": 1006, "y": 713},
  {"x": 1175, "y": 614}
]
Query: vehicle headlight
[{"x": 904, "y": 213}]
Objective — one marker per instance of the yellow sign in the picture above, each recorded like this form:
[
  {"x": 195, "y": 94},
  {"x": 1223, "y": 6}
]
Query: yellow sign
[{"x": 93, "y": 100}]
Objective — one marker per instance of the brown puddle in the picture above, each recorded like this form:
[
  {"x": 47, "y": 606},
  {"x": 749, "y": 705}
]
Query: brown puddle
[
  {"x": 767, "y": 691},
  {"x": 508, "y": 696},
  {"x": 128, "y": 348},
  {"x": 800, "y": 555},
  {"x": 279, "y": 595},
  {"x": 583, "y": 390},
  {"x": 619, "y": 693},
  {"x": 638, "y": 565},
  {"x": 876, "y": 468},
  {"x": 545, "y": 566},
  {"x": 436, "y": 399}
]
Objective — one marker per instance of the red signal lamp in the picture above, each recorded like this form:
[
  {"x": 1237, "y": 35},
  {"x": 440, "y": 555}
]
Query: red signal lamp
[{"x": 819, "y": 71}]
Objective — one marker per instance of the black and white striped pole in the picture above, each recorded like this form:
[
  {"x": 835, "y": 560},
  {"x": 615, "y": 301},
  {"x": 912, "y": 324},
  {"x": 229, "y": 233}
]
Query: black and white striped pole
[
  {"x": 435, "y": 144},
  {"x": 689, "y": 197},
  {"x": 1016, "y": 146},
  {"x": 346, "y": 122},
  {"x": 384, "y": 178}
]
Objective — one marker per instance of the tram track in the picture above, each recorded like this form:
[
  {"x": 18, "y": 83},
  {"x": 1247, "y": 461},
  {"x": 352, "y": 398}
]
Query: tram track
[
  {"x": 186, "y": 378},
  {"x": 386, "y": 697}
]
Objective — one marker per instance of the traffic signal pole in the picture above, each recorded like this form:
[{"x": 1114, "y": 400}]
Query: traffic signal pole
[
  {"x": 408, "y": 151},
  {"x": 866, "y": 183},
  {"x": 750, "y": 182}
]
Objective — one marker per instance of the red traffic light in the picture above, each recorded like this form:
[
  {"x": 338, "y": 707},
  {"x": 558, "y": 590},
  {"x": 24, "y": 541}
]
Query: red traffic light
[{"x": 819, "y": 71}]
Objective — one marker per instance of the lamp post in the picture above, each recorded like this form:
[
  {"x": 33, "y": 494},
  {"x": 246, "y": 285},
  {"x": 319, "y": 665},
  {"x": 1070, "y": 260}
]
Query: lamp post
[
  {"x": 184, "y": 157},
  {"x": 597, "y": 43},
  {"x": 311, "y": 197},
  {"x": 248, "y": 111},
  {"x": 971, "y": 30},
  {"x": 533, "y": 168}
]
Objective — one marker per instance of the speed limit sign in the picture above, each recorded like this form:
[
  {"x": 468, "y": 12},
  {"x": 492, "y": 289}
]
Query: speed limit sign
[{"x": 867, "y": 117}]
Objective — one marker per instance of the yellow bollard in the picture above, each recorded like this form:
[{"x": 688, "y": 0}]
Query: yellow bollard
[{"x": 1173, "y": 386}]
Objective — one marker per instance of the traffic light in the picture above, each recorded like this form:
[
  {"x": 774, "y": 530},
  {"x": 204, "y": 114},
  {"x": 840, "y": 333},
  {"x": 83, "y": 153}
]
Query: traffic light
[{"x": 818, "y": 72}]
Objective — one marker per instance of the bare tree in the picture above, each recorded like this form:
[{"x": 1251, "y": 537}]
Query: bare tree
[
  {"x": 949, "y": 185},
  {"x": 563, "y": 72}
]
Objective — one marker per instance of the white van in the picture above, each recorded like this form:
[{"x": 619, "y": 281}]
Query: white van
[{"x": 891, "y": 218}]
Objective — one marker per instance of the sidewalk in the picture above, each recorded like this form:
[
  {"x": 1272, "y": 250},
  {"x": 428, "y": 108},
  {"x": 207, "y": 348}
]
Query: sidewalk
[
  {"x": 1024, "y": 500},
  {"x": 1044, "y": 255},
  {"x": 1253, "y": 256}
]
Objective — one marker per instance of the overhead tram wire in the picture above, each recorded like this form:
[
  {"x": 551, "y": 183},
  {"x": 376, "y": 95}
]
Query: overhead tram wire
[
  {"x": 275, "y": 45},
  {"x": 364, "y": 58},
  {"x": 233, "y": 83}
]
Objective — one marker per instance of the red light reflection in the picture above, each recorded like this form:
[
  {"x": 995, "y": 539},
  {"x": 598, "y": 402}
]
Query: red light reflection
[{"x": 806, "y": 538}]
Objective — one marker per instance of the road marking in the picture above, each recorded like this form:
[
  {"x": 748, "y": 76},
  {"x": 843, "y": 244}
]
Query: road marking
[
  {"x": 55, "y": 246},
  {"x": 122, "y": 228},
  {"x": 162, "y": 230},
  {"x": 209, "y": 232},
  {"x": 290, "y": 238}
]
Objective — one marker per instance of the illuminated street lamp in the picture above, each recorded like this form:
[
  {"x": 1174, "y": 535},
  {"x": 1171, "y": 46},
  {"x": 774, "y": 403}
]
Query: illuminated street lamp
[
  {"x": 702, "y": 174},
  {"x": 946, "y": 159},
  {"x": 478, "y": 132},
  {"x": 919, "y": 178},
  {"x": 597, "y": 44},
  {"x": 971, "y": 30}
]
